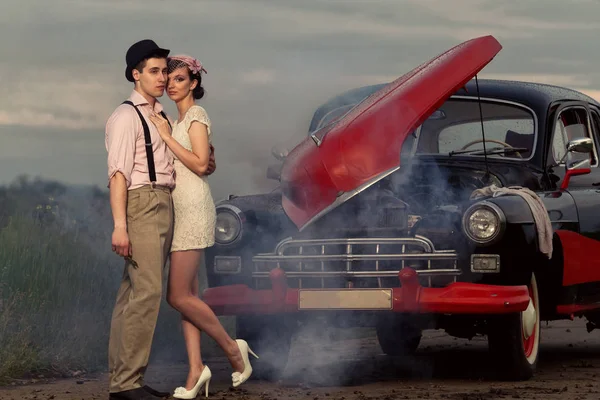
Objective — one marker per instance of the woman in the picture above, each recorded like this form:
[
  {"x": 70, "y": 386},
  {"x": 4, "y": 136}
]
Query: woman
[{"x": 195, "y": 215}]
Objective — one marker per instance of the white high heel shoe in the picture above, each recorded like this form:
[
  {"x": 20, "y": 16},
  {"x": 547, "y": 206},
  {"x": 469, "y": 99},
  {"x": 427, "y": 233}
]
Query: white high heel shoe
[
  {"x": 238, "y": 378},
  {"x": 183, "y": 393}
]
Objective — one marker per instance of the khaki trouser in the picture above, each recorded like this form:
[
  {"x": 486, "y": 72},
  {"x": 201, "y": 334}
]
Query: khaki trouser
[{"x": 150, "y": 228}]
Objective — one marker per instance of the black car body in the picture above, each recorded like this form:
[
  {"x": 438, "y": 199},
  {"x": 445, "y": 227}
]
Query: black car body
[{"x": 445, "y": 258}]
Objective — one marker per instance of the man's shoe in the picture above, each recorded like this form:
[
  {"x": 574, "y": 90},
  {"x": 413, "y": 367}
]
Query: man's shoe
[
  {"x": 156, "y": 392},
  {"x": 133, "y": 394}
]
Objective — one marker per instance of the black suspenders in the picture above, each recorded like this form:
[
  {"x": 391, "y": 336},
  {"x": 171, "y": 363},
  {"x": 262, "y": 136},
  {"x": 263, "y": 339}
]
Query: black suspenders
[{"x": 149, "y": 152}]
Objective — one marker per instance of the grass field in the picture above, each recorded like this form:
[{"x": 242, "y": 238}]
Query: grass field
[{"x": 58, "y": 281}]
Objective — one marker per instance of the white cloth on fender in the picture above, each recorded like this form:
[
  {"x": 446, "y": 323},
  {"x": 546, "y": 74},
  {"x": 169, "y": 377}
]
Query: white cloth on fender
[{"x": 535, "y": 203}]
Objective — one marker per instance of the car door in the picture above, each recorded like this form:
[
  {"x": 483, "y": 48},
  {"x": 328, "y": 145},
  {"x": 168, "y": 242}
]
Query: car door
[
  {"x": 574, "y": 120},
  {"x": 581, "y": 274}
]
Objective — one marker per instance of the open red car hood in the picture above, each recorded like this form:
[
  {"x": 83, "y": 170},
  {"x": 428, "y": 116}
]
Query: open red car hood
[{"x": 362, "y": 147}]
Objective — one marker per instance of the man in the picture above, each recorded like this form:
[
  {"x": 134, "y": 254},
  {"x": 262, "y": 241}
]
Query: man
[{"x": 141, "y": 177}]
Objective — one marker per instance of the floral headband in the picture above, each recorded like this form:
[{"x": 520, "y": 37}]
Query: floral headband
[{"x": 193, "y": 64}]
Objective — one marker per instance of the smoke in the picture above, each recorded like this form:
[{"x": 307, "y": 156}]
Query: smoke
[
  {"x": 243, "y": 144},
  {"x": 85, "y": 212},
  {"x": 256, "y": 98},
  {"x": 331, "y": 352},
  {"x": 326, "y": 351},
  {"x": 247, "y": 122},
  {"x": 323, "y": 355}
]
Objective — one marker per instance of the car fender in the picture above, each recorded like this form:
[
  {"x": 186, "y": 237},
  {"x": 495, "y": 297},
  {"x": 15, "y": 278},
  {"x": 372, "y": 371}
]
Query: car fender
[{"x": 559, "y": 205}]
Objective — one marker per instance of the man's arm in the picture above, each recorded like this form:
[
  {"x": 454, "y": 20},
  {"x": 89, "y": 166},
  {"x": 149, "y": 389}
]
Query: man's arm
[
  {"x": 118, "y": 205},
  {"x": 212, "y": 164},
  {"x": 120, "y": 144}
]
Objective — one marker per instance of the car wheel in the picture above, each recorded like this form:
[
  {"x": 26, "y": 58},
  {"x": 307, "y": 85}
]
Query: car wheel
[
  {"x": 270, "y": 338},
  {"x": 397, "y": 336},
  {"x": 514, "y": 340}
]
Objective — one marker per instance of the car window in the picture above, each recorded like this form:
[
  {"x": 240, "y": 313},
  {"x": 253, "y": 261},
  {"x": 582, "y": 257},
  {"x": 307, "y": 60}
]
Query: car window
[
  {"x": 572, "y": 123},
  {"x": 469, "y": 135},
  {"x": 559, "y": 145},
  {"x": 333, "y": 115},
  {"x": 337, "y": 106},
  {"x": 596, "y": 125},
  {"x": 459, "y": 128}
]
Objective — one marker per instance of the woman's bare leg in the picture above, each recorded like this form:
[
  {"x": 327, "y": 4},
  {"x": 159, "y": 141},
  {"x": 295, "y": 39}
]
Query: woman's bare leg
[
  {"x": 192, "y": 336},
  {"x": 183, "y": 271}
]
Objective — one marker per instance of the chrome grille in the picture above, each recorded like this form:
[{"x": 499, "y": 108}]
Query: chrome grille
[{"x": 355, "y": 262}]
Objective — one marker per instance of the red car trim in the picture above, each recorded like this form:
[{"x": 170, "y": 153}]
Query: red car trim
[
  {"x": 456, "y": 298},
  {"x": 571, "y": 173},
  {"x": 568, "y": 309},
  {"x": 581, "y": 258}
]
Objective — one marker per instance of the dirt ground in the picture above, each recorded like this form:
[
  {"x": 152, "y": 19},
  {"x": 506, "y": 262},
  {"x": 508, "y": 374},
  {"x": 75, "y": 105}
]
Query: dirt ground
[{"x": 444, "y": 368}]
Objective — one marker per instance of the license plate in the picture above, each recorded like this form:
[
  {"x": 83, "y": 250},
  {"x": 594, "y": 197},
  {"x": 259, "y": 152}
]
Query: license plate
[{"x": 345, "y": 299}]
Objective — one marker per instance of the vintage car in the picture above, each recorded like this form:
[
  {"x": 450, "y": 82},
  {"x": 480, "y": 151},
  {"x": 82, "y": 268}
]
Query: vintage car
[{"x": 437, "y": 201}]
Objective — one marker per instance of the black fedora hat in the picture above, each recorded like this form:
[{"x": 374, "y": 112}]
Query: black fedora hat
[{"x": 138, "y": 52}]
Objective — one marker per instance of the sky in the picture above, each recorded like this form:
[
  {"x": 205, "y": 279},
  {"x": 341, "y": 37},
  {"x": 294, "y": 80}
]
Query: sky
[{"x": 270, "y": 65}]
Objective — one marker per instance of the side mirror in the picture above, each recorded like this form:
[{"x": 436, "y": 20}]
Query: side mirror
[
  {"x": 274, "y": 172},
  {"x": 279, "y": 153},
  {"x": 583, "y": 145},
  {"x": 580, "y": 146}
]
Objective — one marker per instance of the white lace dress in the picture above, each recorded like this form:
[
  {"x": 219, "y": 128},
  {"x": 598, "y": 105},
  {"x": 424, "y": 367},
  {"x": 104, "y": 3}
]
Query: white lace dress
[{"x": 195, "y": 214}]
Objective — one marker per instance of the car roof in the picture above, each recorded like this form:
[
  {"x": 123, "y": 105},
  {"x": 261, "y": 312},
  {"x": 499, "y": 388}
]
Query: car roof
[
  {"x": 534, "y": 95},
  {"x": 528, "y": 93}
]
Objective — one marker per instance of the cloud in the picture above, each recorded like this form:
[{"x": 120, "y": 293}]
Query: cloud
[
  {"x": 271, "y": 63},
  {"x": 259, "y": 76},
  {"x": 37, "y": 118},
  {"x": 56, "y": 97},
  {"x": 493, "y": 14}
]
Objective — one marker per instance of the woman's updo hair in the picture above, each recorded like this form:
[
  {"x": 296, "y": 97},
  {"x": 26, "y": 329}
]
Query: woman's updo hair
[{"x": 198, "y": 91}]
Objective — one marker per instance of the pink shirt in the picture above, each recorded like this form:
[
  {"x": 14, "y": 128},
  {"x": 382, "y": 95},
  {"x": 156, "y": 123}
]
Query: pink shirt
[{"x": 124, "y": 140}]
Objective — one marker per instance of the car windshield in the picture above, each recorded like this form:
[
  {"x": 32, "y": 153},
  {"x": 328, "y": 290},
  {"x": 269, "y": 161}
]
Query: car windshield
[
  {"x": 339, "y": 105},
  {"x": 334, "y": 114},
  {"x": 456, "y": 129}
]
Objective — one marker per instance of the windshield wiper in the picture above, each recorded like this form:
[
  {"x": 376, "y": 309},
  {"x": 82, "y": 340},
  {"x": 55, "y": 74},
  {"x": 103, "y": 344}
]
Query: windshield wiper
[
  {"x": 504, "y": 150},
  {"x": 492, "y": 151},
  {"x": 470, "y": 151}
]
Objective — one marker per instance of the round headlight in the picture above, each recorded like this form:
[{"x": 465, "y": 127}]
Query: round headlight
[
  {"x": 228, "y": 226},
  {"x": 484, "y": 223}
]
